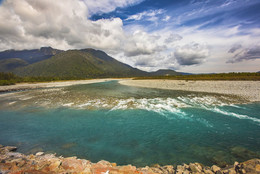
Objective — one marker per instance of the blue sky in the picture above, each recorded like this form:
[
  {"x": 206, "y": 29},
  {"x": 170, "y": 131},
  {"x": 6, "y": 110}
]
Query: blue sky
[
  {"x": 185, "y": 35},
  {"x": 208, "y": 13}
]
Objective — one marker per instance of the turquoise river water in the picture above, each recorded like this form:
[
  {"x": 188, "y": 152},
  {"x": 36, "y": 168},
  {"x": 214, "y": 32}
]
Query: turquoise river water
[{"x": 130, "y": 125}]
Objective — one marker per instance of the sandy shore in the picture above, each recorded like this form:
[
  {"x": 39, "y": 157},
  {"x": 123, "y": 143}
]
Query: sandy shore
[
  {"x": 250, "y": 90},
  {"x": 23, "y": 86}
]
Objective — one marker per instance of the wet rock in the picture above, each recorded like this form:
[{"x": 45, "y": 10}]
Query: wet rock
[
  {"x": 11, "y": 148},
  {"x": 72, "y": 163},
  {"x": 208, "y": 171},
  {"x": 186, "y": 172},
  {"x": 215, "y": 168},
  {"x": 14, "y": 155},
  {"x": 195, "y": 168},
  {"x": 243, "y": 153},
  {"x": 180, "y": 169},
  {"x": 54, "y": 165},
  {"x": 113, "y": 164},
  {"x": 251, "y": 166},
  {"x": 39, "y": 153},
  {"x": 68, "y": 145},
  {"x": 13, "y": 162},
  {"x": 169, "y": 169},
  {"x": 105, "y": 163},
  {"x": 186, "y": 166}
]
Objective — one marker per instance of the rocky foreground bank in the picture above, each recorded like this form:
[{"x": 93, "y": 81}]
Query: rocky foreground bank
[{"x": 18, "y": 163}]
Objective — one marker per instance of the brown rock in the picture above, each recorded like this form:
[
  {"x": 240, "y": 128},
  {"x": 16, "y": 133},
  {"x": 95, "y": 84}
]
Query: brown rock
[
  {"x": 10, "y": 148},
  {"x": 39, "y": 153},
  {"x": 207, "y": 171},
  {"x": 113, "y": 164},
  {"x": 186, "y": 172},
  {"x": 215, "y": 168},
  {"x": 128, "y": 168},
  {"x": 105, "y": 163},
  {"x": 54, "y": 166},
  {"x": 194, "y": 168},
  {"x": 251, "y": 166},
  {"x": 257, "y": 168},
  {"x": 72, "y": 164},
  {"x": 169, "y": 169}
]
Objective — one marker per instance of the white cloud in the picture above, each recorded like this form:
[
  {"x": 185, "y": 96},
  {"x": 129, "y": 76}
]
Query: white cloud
[
  {"x": 251, "y": 53},
  {"x": 150, "y": 15},
  {"x": 142, "y": 43},
  {"x": 27, "y": 24},
  {"x": 166, "y": 18},
  {"x": 173, "y": 38},
  {"x": 105, "y": 6},
  {"x": 191, "y": 54},
  {"x": 31, "y": 24}
]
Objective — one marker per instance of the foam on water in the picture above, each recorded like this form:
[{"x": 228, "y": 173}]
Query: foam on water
[
  {"x": 166, "y": 106},
  {"x": 130, "y": 125},
  {"x": 218, "y": 110}
]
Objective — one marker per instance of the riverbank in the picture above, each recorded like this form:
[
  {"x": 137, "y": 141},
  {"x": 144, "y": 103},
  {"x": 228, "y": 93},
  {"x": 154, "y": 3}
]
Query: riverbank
[
  {"x": 25, "y": 86},
  {"x": 15, "y": 162},
  {"x": 249, "y": 90}
]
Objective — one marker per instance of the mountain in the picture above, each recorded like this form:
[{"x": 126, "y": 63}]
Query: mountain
[
  {"x": 7, "y": 65},
  {"x": 164, "y": 72},
  {"x": 30, "y": 56},
  {"x": 71, "y": 64},
  {"x": 79, "y": 64}
]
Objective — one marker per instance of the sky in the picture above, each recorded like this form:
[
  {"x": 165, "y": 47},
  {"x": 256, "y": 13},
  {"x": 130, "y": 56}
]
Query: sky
[{"x": 196, "y": 36}]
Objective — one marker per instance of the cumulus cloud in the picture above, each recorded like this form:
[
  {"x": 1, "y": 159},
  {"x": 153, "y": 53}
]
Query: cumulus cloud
[
  {"x": 173, "y": 38},
  {"x": 142, "y": 43},
  {"x": 28, "y": 23},
  {"x": 234, "y": 48},
  {"x": 191, "y": 54},
  {"x": 246, "y": 54}
]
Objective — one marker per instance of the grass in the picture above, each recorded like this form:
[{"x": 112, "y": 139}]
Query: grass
[{"x": 221, "y": 76}]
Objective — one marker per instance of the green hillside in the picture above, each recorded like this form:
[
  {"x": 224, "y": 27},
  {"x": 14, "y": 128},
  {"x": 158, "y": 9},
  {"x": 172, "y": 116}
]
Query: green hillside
[
  {"x": 10, "y": 64},
  {"x": 79, "y": 64}
]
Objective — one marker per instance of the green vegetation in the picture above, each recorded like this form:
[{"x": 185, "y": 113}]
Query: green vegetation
[
  {"x": 8, "y": 79},
  {"x": 79, "y": 64},
  {"x": 221, "y": 76},
  {"x": 7, "y": 65},
  {"x": 11, "y": 79}
]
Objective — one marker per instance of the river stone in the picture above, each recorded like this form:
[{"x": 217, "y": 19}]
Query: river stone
[
  {"x": 186, "y": 172},
  {"x": 169, "y": 168},
  {"x": 180, "y": 169},
  {"x": 10, "y": 148},
  {"x": 72, "y": 163},
  {"x": 105, "y": 163},
  {"x": 207, "y": 171},
  {"x": 215, "y": 168},
  {"x": 39, "y": 153},
  {"x": 194, "y": 168}
]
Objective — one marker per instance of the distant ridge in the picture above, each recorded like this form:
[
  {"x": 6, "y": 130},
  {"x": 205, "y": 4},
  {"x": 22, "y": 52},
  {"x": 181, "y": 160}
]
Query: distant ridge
[
  {"x": 7, "y": 65},
  {"x": 79, "y": 64},
  {"x": 71, "y": 64},
  {"x": 30, "y": 56},
  {"x": 165, "y": 72}
]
